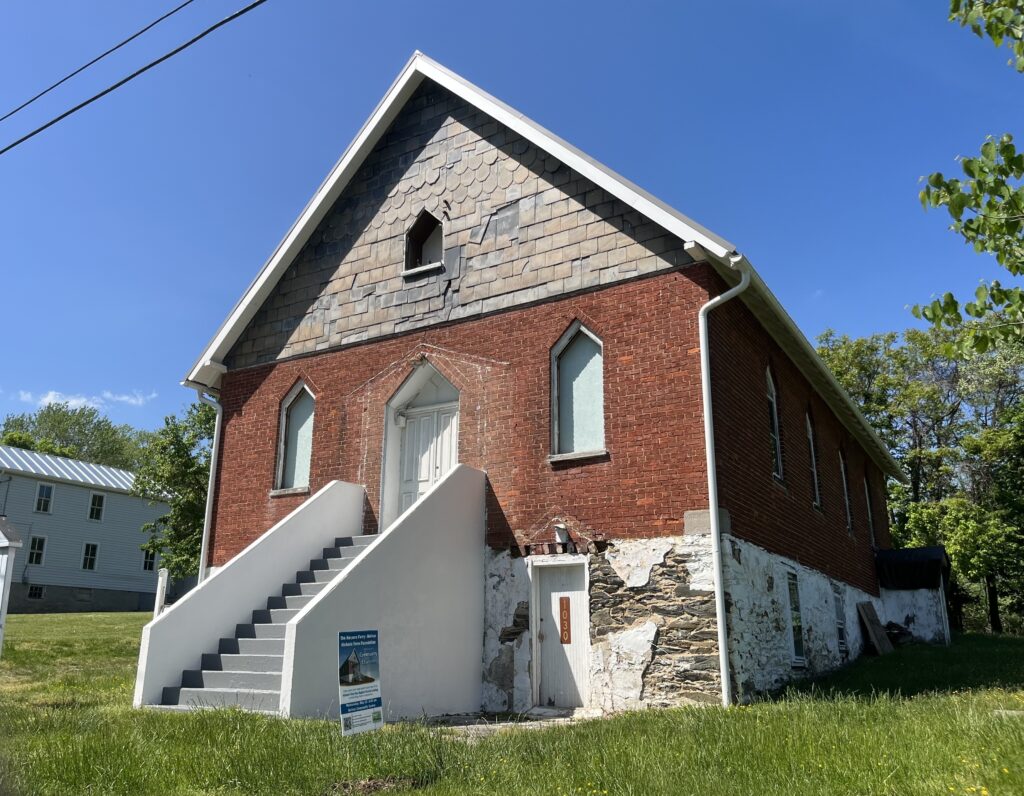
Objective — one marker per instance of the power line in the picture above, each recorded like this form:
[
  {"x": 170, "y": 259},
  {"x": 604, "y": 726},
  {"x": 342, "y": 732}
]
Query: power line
[
  {"x": 100, "y": 57},
  {"x": 133, "y": 75}
]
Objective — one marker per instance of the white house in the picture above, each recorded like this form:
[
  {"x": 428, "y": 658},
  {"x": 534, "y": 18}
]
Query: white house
[{"x": 81, "y": 532}]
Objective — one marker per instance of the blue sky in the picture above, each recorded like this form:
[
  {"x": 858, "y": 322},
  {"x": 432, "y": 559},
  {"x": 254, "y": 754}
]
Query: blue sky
[{"x": 797, "y": 130}]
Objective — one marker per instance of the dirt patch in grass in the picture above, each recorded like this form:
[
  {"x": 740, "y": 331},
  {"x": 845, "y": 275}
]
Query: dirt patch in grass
[{"x": 384, "y": 785}]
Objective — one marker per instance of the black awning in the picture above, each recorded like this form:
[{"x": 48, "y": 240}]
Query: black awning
[{"x": 912, "y": 568}]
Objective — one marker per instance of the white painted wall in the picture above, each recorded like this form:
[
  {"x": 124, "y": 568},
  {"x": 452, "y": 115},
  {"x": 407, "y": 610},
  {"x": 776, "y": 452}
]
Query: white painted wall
[
  {"x": 176, "y": 640},
  {"x": 760, "y": 640},
  {"x": 67, "y": 528},
  {"x": 420, "y": 585},
  {"x": 921, "y": 611},
  {"x": 507, "y": 585},
  {"x": 7, "y": 557}
]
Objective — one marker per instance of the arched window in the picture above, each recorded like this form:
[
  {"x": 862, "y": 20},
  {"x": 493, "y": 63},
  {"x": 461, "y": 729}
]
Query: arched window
[
  {"x": 424, "y": 243},
  {"x": 812, "y": 452},
  {"x": 773, "y": 425},
  {"x": 843, "y": 474},
  {"x": 577, "y": 390},
  {"x": 870, "y": 510},
  {"x": 295, "y": 445}
]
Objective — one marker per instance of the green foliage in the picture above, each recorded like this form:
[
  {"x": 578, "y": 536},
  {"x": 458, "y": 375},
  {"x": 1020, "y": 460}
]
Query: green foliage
[
  {"x": 986, "y": 205},
  {"x": 919, "y": 721},
  {"x": 175, "y": 469},
  {"x": 81, "y": 433},
  {"x": 1001, "y": 20},
  {"x": 953, "y": 415},
  {"x": 18, "y": 439}
]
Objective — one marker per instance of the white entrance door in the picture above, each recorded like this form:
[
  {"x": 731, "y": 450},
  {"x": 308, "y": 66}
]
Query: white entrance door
[
  {"x": 563, "y": 636},
  {"x": 430, "y": 448}
]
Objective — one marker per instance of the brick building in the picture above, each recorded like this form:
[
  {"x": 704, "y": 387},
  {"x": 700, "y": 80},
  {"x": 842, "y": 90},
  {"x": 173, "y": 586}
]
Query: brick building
[{"x": 468, "y": 294}]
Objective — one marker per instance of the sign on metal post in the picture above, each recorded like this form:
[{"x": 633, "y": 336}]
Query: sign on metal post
[{"x": 359, "y": 695}]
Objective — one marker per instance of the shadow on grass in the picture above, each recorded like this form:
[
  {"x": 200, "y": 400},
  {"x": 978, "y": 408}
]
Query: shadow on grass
[{"x": 971, "y": 661}]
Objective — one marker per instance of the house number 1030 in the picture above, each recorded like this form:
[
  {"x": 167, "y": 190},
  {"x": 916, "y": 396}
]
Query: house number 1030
[{"x": 564, "y": 623}]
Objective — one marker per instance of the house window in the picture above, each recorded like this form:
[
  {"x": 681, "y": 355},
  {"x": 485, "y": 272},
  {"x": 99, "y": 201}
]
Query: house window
[
  {"x": 89, "y": 556},
  {"x": 846, "y": 493},
  {"x": 296, "y": 438},
  {"x": 795, "y": 620},
  {"x": 837, "y": 601},
  {"x": 36, "y": 550},
  {"x": 424, "y": 243},
  {"x": 148, "y": 560},
  {"x": 870, "y": 510},
  {"x": 773, "y": 425},
  {"x": 96, "y": 502},
  {"x": 44, "y": 498},
  {"x": 812, "y": 452},
  {"x": 36, "y": 592},
  {"x": 577, "y": 386}
]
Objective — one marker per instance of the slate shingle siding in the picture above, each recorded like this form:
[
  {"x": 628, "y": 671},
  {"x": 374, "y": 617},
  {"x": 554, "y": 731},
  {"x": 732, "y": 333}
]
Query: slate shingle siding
[{"x": 519, "y": 227}]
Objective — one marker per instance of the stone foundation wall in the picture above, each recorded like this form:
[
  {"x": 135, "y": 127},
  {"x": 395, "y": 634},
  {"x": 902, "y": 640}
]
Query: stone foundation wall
[
  {"x": 760, "y": 629},
  {"x": 652, "y": 626},
  {"x": 70, "y": 599},
  {"x": 654, "y": 641}
]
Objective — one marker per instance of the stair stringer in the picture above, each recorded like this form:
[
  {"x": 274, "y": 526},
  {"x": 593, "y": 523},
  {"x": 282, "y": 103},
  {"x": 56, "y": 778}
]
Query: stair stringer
[
  {"x": 176, "y": 640},
  {"x": 420, "y": 584}
]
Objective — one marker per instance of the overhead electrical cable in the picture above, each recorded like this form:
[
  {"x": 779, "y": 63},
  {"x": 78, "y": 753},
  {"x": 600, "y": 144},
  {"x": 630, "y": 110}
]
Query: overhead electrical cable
[
  {"x": 98, "y": 58},
  {"x": 133, "y": 75}
]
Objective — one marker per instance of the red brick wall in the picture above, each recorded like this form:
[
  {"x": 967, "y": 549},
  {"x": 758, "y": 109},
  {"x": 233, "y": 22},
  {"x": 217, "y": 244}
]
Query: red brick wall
[
  {"x": 780, "y": 516},
  {"x": 653, "y": 420}
]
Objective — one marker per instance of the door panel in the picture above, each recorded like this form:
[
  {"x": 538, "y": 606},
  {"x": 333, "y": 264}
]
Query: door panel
[
  {"x": 563, "y": 637},
  {"x": 429, "y": 450}
]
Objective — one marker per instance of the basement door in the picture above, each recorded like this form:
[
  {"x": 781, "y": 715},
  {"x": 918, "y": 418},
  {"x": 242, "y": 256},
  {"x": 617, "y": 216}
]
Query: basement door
[
  {"x": 430, "y": 448},
  {"x": 563, "y": 636}
]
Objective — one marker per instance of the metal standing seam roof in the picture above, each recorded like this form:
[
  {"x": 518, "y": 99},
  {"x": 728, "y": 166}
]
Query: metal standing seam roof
[{"x": 59, "y": 468}]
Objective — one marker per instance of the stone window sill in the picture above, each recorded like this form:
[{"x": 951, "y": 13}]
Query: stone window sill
[
  {"x": 424, "y": 269},
  {"x": 297, "y": 490},
  {"x": 576, "y": 456}
]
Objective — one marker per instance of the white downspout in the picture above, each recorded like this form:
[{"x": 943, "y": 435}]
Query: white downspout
[
  {"x": 204, "y": 551},
  {"x": 737, "y": 262}
]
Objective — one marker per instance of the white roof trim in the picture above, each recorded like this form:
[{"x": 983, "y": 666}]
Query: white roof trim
[{"x": 207, "y": 370}]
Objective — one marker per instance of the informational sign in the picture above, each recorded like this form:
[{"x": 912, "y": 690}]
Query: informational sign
[{"x": 359, "y": 695}]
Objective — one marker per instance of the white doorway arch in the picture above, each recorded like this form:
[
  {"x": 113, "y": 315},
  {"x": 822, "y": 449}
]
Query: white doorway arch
[{"x": 421, "y": 439}]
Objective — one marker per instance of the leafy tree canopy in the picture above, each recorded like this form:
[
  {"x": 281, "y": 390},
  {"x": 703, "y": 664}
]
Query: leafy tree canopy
[
  {"x": 176, "y": 469},
  {"x": 986, "y": 203},
  {"x": 79, "y": 433}
]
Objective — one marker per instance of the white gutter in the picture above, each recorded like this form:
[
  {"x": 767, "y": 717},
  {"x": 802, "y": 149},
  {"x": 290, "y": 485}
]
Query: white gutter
[
  {"x": 204, "y": 550},
  {"x": 737, "y": 262}
]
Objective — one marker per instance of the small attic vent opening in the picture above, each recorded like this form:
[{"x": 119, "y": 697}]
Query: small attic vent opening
[{"x": 424, "y": 244}]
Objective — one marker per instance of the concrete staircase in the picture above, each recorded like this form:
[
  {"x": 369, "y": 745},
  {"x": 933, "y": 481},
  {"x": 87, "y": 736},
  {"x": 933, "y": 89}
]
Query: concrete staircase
[{"x": 245, "y": 671}]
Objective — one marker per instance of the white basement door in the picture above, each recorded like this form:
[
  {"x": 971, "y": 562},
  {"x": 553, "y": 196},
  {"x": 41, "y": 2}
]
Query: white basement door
[
  {"x": 429, "y": 450},
  {"x": 563, "y": 636}
]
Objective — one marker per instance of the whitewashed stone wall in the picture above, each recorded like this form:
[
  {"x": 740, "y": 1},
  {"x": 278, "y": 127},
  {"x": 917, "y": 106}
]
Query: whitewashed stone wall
[
  {"x": 506, "y": 664},
  {"x": 652, "y": 627},
  {"x": 921, "y": 611},
  {"x": 760, "y": 635}
]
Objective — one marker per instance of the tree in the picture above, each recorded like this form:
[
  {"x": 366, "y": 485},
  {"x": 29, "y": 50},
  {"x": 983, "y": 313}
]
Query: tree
[
  {"x": 175, "y": 469},
  {"x": 954, "y": 418},
  {"x": 81, "y": 433},
  {"x": 987, "y": 208}
]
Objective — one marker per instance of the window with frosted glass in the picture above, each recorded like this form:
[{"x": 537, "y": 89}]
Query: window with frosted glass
[
  {"x": 579, "y": 385},
  {"x": 297, "y": 445}
]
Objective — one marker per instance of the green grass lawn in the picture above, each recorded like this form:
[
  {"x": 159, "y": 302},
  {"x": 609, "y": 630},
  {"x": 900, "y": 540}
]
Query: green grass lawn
[{"x": 921, "y": 721}]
